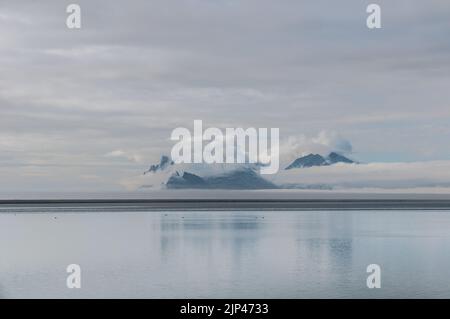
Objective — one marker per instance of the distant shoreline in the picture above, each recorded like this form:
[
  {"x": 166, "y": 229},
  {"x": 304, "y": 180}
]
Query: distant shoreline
[{"x": 224, "y": 204}]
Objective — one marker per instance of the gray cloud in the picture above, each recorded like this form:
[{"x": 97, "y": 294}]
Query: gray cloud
[{"x": 137, "y": 70}]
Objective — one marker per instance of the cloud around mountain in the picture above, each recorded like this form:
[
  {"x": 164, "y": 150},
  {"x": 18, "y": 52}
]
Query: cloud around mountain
[
  {"x": 168, "y": 175},
  {"x": 323, "y": 144},
  {"x": 324, "y": 162},
  {"x": 340, "y": 176}
]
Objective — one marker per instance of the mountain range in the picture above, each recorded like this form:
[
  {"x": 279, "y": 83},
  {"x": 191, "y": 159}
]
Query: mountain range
[
  {"x": 311, "y": 160},
  {"x": 163, "y": 163},
  {"x": 241, "y": 178},
  {"x": 235, "y": 176}
]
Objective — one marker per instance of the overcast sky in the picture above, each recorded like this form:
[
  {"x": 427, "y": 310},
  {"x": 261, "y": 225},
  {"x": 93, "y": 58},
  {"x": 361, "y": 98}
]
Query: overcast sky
[{"x": 86, "y": 109}]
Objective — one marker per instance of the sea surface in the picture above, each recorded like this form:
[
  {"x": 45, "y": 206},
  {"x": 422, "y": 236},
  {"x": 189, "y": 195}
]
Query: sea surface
[{"x": 224, "y": 254}]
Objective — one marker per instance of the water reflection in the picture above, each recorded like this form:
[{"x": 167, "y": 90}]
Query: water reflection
[
  {"x": 226, "y": 254},
  {"x": 235, "y": 233}
]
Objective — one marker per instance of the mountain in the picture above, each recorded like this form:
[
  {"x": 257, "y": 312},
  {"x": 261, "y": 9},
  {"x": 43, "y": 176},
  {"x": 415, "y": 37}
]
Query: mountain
[
  {"x": 334, "y": 157},
  {"x": 187, "y": 180},
  {"x": 242, "y": 178},
  {"x": 308, "y": 161},
  {"x": 232, "y": 176},
  {"x": 311, "y": 160},
  {"x": 163, "y": 163}
]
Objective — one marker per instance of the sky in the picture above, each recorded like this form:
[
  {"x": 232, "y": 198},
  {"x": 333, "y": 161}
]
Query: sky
[{"x": 88, "y": 109}]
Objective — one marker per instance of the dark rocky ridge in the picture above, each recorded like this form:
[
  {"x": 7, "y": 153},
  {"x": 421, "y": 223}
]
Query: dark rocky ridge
[
  {"x": 244, "y": 178},
  {"x": 311, "y": 160}
]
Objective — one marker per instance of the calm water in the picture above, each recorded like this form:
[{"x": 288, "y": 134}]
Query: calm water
[{"x": 225, "y": 254}]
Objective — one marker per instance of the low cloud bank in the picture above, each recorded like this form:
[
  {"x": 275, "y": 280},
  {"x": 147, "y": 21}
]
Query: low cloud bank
[{"x": 372, "y": 175}]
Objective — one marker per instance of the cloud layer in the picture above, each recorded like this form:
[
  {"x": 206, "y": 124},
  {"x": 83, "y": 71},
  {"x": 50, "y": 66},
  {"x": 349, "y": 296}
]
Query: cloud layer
[
  {"x": 390, "y": 176},
  {"x": 137, "y": 70}
]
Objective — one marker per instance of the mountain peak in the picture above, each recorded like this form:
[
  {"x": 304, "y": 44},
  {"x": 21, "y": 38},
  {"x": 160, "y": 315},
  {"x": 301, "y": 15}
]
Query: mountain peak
[
  {"x": 308, "y": 161},
  {"x": 334, "y": 157},
  {"x": 311, "y": 160},
  {"x": 163, "y": 163}
]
